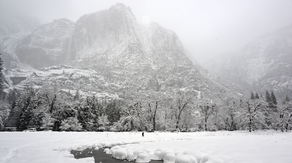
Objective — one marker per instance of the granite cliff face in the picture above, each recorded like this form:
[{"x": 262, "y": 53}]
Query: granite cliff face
[
  {"x": 48, "y": 45},
  {"x": 108, "y": 53},
  {"x": 263, "y": 64}
]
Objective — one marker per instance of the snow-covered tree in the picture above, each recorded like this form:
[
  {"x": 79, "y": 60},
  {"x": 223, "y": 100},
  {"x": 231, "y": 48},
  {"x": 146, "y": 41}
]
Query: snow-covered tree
[
  {"x": 230, "y": 115},
  {"x": 3, "y": 114},
  {"x": 188, "y": 118},
  {"x": 252, "y": 96},
  {"x": 47, "y": 121},
  {"x": 273, "y": 100},
  {"x": 1, "y": 77},
  {"x": 284, "y": 119},
  {"x": 181, "y": 104},
  {"x": 152, "y": 112},
  {"x": 256, "y": 96},
  {"x": 70, "y": 124},
  {"x": 206, "y": 110},
  {"x": 113, "y": 112},
  {"x": 133, "y": 117},
  {"x": 26, "y": 103},
  {"x": 253, "y": 116},
  {"x": 103, "y": 122},
  {"x": 88, "y": 112}
]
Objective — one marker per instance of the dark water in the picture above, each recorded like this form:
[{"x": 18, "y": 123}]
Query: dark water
[{"x": 100, "y": 156}]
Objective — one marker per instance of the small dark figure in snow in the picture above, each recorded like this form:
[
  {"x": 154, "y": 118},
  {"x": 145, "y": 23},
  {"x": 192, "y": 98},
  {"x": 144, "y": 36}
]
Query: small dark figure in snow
[{"x": 142, "y": 134}]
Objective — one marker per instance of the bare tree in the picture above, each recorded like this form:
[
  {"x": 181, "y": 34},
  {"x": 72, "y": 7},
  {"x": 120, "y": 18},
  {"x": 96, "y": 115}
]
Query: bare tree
[
  {"x": 284, "y": 120},
  {"x": 230, "y": 115},
  {"x": 181, "y": 105},
  {"x": 133, "y": 116},
  {"x": 207, "y": 110},
  {"x": 253, "y": 116},
  {"x": 152, "y": 111}
]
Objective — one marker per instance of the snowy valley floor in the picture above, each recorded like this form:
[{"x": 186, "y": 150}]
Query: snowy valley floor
[{"x": 210, "y": 147}]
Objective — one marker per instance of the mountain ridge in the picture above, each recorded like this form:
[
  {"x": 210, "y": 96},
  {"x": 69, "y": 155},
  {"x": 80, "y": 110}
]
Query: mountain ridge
[{"x": 122, "y": 56}]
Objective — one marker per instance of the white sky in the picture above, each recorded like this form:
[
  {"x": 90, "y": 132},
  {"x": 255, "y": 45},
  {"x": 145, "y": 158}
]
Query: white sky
[{"x": 206, "y": 27}]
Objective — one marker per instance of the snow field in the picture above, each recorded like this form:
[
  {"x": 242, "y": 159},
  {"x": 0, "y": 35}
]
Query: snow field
[{"x": 199, "y": 147}]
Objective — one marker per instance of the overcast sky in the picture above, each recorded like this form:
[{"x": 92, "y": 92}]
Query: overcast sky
[{"x": 205, "y": 27}]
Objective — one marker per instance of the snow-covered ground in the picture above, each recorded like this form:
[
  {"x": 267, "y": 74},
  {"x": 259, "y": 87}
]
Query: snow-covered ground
[{"x": 210, "y": 147}]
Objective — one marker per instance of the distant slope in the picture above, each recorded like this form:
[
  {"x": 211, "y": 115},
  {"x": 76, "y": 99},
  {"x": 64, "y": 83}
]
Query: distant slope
[{"x": 263, "y": 64}]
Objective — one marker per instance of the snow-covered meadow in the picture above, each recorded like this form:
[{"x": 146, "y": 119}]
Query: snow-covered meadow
[{"x": 209, "y": 147}]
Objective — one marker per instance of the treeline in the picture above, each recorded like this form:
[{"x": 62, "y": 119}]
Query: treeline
[{"x": 53, "y": 109}]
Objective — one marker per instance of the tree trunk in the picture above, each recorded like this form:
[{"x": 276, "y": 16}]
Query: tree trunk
[
  {"x": 249, "y": 125},
  {"x": 206, "y": 120},
  {"x": 177, "y": 123},
  {"x": 154, "y": 123}
]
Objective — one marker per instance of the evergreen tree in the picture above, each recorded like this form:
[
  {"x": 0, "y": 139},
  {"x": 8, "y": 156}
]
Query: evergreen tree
[
  {"x": 26, "y": 104},
  {"x": 273, "y": 100},
  {"x": 257, "y": 96},
  {"x": 287, "y": 99},
  {"x": 77, "y": 95},
  {"x": 252, "y": 96},
  {"x": 113, "y": 112},
  {"x": 268, "y": 98},
  {"x": 70, "y": 124},
  {"x": 1, "y": 76}
]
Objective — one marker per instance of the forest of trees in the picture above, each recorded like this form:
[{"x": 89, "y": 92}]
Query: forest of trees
[{"x": 50, "y": 108}]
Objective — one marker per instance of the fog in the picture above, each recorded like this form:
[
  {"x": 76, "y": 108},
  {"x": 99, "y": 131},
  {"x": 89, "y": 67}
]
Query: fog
[{"x": 206, "y": 28}]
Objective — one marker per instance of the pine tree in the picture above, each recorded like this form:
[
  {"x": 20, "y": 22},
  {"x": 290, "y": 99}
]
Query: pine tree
[
  {"x": 273, "y": 100},
  {"x": 257, "y": 96},
  {"x": 287, "y": 99},
  {"x": 252, "y": 96},
  {"x": 268, "y": 98},
  {"x": 1, "y": 76},
  {"x": 77, "y": 95},
  {"x": 113, "y": 112}
]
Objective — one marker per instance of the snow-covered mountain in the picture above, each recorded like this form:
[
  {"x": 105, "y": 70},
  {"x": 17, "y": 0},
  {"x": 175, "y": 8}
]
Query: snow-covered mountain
[
  {"x": 109, "y": 54},
  {"x": 48, "y": 45},
  {"x": 12, "y": 24},
  {"x": 263, "y": 64}
]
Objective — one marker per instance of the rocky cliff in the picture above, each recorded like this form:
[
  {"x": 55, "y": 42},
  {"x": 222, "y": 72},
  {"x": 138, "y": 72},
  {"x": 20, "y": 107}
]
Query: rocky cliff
[{"x": 108, "y": 53}]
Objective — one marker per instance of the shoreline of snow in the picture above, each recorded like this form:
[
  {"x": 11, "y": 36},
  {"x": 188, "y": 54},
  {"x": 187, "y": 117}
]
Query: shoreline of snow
[{"x": 222, "y": 146}]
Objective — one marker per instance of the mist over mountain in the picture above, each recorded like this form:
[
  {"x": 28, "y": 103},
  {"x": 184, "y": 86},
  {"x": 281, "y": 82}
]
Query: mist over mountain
[
  {"x": 47, "y": 45},
  {"x": 263, "y": 64},
  {"x": 108, "y": 53}
]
